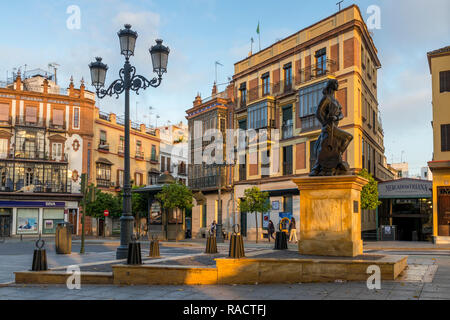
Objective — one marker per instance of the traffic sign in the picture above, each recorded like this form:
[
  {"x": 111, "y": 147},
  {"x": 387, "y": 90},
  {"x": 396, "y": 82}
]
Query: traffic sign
[{"x": 106, "y": 213}]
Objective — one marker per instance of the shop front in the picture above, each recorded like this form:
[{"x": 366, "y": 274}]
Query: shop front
[
  {"x": 407, "y": 205},
  {"x": 33, "y": 217},
  {"x": 5, "y": 222}
]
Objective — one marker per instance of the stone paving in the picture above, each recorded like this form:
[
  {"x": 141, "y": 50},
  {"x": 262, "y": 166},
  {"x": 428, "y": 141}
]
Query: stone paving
[{"x": 427, "y": 277}]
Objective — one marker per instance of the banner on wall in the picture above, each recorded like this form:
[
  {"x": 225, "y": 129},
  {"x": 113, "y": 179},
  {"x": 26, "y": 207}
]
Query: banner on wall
[
  {"x": 155, "y": 213},
  {"x": 27, "y": 221}
]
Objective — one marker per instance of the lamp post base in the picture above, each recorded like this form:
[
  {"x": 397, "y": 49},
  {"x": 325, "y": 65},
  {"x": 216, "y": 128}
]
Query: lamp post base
[
  {"x": 126, "y": 232},
  {"x": 122, "y": 252}
]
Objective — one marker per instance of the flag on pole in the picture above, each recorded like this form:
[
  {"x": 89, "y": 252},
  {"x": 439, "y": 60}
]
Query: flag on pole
[
  {"x": 259, "y": 36},
  {"x": 257, "y": 29}
]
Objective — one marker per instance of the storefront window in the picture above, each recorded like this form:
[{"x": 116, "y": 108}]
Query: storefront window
[
  {"x": 50, "y": 220},
  {"x": 27, "y": 221}
]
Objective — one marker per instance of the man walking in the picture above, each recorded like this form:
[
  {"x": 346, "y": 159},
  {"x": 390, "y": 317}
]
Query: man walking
[{"x": 271, "y": 230}]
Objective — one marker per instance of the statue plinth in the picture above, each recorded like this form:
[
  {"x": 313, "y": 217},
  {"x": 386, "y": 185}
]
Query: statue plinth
[{"x": 330, "y": 215}]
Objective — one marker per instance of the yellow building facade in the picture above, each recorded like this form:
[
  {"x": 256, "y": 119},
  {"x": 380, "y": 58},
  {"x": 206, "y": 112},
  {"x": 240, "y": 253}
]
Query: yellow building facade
[
  {"x": 439, "y": 63},
  {"x": 280, "y": 88},
  {"x": 109, "y": 149}
]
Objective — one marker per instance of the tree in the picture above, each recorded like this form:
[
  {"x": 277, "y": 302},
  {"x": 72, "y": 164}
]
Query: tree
[
  {"x": 175, "y": 195},
  {"x": 255, "y": 201},
  {"x": 139, "y": 206},
  {"x": 369, "y": 193},
  {"x": 104, "y": 200}
]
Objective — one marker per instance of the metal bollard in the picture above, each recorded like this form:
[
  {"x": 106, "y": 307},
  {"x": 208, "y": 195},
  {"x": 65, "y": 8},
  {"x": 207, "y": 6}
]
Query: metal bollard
[
  {"x": 134, "y": 252},
  {"x": 236, "y": 249},
  {"x": 39, "y": 257},
  {"x": 154, "y": 247},
  {"x": 211, "y": 244}
]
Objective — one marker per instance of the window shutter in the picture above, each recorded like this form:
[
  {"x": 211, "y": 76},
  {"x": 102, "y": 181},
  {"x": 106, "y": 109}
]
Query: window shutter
[
  {"x": 31, "y": 114},
  {"x": 58, "y": 117},
  {"x": 4, "y": 111}
]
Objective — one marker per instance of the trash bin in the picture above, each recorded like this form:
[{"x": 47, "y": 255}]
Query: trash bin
[{"x": 63, "y": 238}]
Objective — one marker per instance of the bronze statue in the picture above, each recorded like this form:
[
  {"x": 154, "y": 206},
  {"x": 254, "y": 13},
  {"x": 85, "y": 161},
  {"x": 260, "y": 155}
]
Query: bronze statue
[{"x": 332, "y": 141}]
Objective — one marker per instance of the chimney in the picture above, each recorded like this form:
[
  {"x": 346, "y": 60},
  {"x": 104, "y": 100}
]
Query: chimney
[
  {"x": 214, "y": 90},
  {"x": 198, "y": 100},
  {"x": 45, "y": 86}
]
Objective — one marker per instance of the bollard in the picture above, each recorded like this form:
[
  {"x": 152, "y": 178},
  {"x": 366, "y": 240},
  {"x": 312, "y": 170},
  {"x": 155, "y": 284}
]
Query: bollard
[
  {"x": 39, "y": 257},
  {"x": 154, "y": 247},
  {"x": 281, "y": 241},
  {"x": 236, "y": 249},
  {"x": 211, "y": 244},
  {"x": 134, "y": 252}
]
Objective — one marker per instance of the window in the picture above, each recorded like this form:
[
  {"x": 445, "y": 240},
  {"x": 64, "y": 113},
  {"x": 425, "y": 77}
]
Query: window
[
  {"x": 204, "y": 213},
  {"x": 309, "y": 98},
  {"x": 287, "y": 75},
  {"x": 56, "y": 151},
  {"x": 58, "y": 117},
  {"x": 102, "y": 137},
  {"x": 76, "y": 118},
  {"x": 4, "y": 113},
  {"x": 139, "y": 152},
  {"x": 3, "y": 148},
  {"x": 257, "y": 116},
  {"x": 138, "y": 179},
  {"x": 288, "y": 123},
  {"x": 31, "y": 114},
  {"x": 153, "y": 153},
  {"x": 103, "y": 175},
  {"x": 265, "y": 84},
  {"x": 445, "y": 137},
  {"x": 321, "y": 61},
  {"x": 163, "y": 164},
  {"x": 444, "y": 81},
  {"x": 120, "y": 178},
  {"x": 243, "y": 90},
  {"x": 121, "y": 145},
  {"x": 152, "y": 178},
  {"x": 168, "y": 167},
  {"x": 287, "y": 160}
]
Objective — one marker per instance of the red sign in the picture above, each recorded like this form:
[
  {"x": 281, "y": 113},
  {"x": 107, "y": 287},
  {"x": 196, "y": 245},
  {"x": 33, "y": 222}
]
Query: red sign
[{"x": 106, "y": 213}]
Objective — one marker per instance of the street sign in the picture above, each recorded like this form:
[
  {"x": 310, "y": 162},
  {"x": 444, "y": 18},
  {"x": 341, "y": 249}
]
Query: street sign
[{"x": 106, "y": 213}]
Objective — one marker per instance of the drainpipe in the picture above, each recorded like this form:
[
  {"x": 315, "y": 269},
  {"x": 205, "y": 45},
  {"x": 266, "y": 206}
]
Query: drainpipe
[{"x": 376, "y": 221}]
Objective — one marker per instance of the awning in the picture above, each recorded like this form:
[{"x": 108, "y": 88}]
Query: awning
[{"x": 104, "y": 161}]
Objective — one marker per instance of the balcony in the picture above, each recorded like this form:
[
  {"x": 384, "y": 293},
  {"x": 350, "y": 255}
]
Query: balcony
[
  {"x": 154, "y": 159},
  {"x": 6, "y": 122},
  {"x": 37, "y": 187},
  {"x": 287, "y": 130},
  {"x": 139, "y": 155},
  {"x": 310, "y": 123},
  {"x": 57, "y": 127},
  {"x": 21, "y": 121},
  {"x": 38, "y": 155},
  {"x": 287, "y": 168},
  {"x": 315, "y": 71},
  {"x": 121, "y": 150},
  {"x": 242, "y": 172},
  {"x": 101, "y": 183},
  {"x": 103, "y": 146}
]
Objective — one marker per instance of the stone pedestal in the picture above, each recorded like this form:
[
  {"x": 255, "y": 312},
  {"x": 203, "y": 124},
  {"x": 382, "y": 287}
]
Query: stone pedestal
[{"x": 330, "y": 215}]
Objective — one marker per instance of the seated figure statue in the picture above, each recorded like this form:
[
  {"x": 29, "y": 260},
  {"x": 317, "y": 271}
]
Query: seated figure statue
[{"x": 332, "y": 141}]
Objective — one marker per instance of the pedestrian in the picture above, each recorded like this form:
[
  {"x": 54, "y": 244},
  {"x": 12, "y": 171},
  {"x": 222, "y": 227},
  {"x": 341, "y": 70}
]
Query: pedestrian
[
  {"x": 292, "y": 231},
  {"x": 271, "y": 229},
  {"x": 212, "y": 228}
]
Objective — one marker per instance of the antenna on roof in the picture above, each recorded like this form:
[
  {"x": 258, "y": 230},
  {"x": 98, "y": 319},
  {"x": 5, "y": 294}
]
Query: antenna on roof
[
  {"x": 339, "y": 4},
  {"x": 55, "y": 66},
  {"x": 217, "y": 63}
]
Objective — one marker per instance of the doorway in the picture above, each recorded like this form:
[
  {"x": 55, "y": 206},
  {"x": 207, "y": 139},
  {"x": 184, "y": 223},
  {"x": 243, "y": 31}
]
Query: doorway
[
  {"x": 443, "y": 211},
  {"x": 5, "y": 222},
  {"x": 244, "y": 224},
  {"x": 101, "y": 227}
]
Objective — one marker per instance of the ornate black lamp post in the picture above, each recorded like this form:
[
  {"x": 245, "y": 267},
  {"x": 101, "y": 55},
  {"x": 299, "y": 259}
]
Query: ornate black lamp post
[{"x": 128, "y": 80}]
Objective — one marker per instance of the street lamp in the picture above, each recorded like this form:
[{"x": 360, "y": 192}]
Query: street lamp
[{"x": 129, "y": 80}]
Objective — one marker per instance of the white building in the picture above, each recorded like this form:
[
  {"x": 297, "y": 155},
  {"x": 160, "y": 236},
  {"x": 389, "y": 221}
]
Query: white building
[{"x": 174, "y": 150}]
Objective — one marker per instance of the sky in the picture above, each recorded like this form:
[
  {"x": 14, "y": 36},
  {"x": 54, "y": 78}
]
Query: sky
[{"x": 201, "y": 32}]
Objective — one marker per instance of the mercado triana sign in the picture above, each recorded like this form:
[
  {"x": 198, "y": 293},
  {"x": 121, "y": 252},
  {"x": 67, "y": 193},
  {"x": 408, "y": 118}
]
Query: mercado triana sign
[{"x": 405, "y": 188}]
